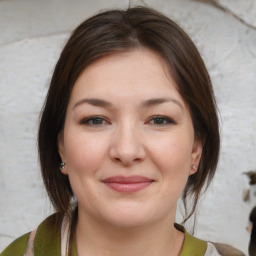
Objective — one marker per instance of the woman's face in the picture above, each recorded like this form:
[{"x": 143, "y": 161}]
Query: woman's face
[{"x": 128, "y": 140}]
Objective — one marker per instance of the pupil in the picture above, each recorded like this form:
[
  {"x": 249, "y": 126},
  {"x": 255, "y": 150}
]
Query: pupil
[
  {"x": 158, "y": 120},
  {"x": 97, "y": 121}
]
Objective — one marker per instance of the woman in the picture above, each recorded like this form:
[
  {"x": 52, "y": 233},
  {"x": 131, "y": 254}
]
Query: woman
[{"x": 129, "y": 125}]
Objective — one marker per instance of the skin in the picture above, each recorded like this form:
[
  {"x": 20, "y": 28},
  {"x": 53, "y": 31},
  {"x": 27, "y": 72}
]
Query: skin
[{"x": 130, "y": 135}]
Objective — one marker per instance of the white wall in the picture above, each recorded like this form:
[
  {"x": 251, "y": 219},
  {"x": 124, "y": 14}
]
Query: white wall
[{"x": 32, "y": 34}]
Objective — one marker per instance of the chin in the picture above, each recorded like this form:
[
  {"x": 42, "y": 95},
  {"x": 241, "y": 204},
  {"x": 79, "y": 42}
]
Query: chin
[
  {"x": 130, "y": 216},
  {"x": 129, "y": 221}
]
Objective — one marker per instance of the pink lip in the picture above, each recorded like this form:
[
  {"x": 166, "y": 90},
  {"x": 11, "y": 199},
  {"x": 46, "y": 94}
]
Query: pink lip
[{"x": 127, "y": 184}]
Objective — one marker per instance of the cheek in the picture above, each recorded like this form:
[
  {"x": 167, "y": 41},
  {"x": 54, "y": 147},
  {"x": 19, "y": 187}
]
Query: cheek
[
  {"x": 172, "y": 159},
  {"x": 85, "y": 155},
  {"x": 172, "y": 154},
  {"x": 85, "y": 152}
]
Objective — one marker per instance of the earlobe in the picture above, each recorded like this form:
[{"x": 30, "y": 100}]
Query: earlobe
[
  {"x": 61, "y": 150},
  {"x": 193, "y": 169},
  {"x": 196, "y": 156}
]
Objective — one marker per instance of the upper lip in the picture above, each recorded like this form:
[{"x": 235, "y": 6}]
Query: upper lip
[{"x": 127, "y": 179}]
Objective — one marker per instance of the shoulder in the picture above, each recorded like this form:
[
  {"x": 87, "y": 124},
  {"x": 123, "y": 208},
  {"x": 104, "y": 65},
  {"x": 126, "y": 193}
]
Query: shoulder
[
  {"x": 17, "y": 247},
  {"x": 48, "y": 236},
  {"x": 47, "y": 239},
  {"x": 193, "y": 246}
]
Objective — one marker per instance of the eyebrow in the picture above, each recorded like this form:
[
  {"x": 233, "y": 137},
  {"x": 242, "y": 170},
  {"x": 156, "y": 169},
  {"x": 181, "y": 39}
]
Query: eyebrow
[
  {"x": 94, "y": 102},
  {"x": 156, "y": 101},
  {"x": 145, "y": 104}
]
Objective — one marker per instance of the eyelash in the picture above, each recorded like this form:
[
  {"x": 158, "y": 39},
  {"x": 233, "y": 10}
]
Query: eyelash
[
  {"x": 163, "y": 121},
  {"x": 87, "y": 121}
]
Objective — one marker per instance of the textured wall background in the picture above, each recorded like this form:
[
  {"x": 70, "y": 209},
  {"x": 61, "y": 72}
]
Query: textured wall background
[{"x": 32, "y": 35}]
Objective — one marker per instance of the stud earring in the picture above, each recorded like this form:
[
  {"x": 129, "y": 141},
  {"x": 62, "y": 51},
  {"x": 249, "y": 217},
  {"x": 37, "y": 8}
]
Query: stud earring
[
  {"x": 194, "y": 167},
  {"x": 62, "y": 166}
]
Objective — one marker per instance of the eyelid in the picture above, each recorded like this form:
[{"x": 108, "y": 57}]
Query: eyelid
[
  {"x": 86, "y": 120},
  {"x": 165, "y": 118}
]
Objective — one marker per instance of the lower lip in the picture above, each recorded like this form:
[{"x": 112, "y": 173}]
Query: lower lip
[{"x": 128, "y": 187}]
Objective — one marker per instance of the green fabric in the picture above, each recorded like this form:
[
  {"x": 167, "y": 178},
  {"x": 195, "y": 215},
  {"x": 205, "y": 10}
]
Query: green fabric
[
  {"x": 17, "y": 248},
  {"x": 47, "y": 242},
  {"x": 74, "y": 248},
  {"x": 193, "y": 246}
]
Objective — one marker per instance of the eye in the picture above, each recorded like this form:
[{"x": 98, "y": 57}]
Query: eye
[
  {"x": 161, "y": 120},
  {"x": 94, "y": 121}
]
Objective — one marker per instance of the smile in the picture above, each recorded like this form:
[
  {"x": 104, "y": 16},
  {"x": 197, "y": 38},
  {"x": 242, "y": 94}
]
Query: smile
[{"x": 129, "y": 184}]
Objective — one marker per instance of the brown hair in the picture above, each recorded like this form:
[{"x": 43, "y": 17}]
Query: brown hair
[{"x": 120, "y": 30}]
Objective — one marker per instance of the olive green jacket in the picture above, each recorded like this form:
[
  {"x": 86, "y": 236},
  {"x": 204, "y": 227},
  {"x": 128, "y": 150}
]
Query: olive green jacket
[{"x": 48, "y": 239}]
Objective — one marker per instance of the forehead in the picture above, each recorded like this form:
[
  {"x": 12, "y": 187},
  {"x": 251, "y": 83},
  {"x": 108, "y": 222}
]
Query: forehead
[{"x": 136, "y": 74}]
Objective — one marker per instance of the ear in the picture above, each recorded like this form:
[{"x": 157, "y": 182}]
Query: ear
[
  {"x": 61, "y": 149},
  {"x": 196, "y": 155}
]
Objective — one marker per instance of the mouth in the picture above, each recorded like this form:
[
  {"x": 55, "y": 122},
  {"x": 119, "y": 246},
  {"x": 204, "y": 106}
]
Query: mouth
[{"x": 129, "y": 184}]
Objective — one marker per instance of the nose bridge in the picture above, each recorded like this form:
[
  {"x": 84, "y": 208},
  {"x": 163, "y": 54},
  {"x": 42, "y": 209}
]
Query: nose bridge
[{"x": 127, "y": 145}]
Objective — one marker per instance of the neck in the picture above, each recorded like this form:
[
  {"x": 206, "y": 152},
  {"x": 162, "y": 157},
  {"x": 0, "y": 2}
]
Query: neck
[{"x": 98, "y": 239}]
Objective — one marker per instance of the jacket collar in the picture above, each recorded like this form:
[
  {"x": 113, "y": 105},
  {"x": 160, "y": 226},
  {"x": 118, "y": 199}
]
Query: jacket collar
[{"x": 48, "y": 240}]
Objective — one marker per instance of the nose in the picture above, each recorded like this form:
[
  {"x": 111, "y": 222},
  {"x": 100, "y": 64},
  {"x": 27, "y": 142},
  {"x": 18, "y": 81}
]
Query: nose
[{"x": 127, "y": 146}]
